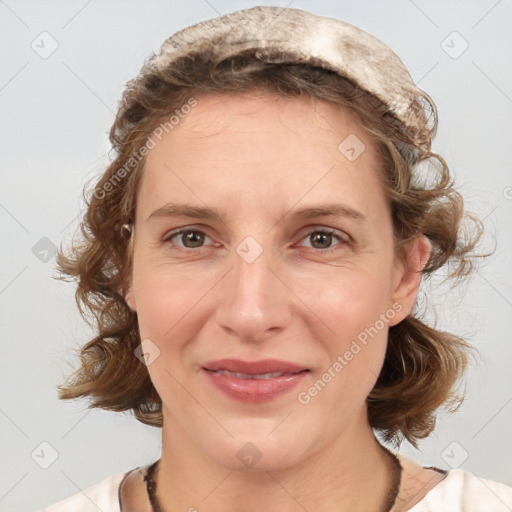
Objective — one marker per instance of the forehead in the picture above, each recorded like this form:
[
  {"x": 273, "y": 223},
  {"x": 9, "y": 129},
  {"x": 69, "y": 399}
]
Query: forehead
[
  {"x": 253, "y": 112},
  {"x": 263, "y": 147}
]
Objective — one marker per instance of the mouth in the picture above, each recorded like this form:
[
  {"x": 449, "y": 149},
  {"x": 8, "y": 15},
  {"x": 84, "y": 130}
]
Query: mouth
[
  {"x": 260, "y": 367},
  {"x": 239, "y": 375},
  {"x": 254, "y": 381}
]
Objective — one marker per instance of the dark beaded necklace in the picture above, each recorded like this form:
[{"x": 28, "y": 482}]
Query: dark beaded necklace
[
  {"x": 388, "y": 505},
  {"x": 151, "y": 487}
]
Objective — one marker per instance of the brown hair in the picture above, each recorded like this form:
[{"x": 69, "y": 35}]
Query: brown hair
[{"x": 422, "y": 364}]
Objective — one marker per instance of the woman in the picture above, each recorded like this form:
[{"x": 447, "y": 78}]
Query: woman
[{"x": 253, "y": 257}]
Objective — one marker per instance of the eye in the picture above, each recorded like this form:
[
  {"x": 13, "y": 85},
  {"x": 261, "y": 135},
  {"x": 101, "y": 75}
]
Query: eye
[
  {"x": 320, "y": 240},
  {"x": 324, "y": 240},
  {"x": 188, "y": 238}
]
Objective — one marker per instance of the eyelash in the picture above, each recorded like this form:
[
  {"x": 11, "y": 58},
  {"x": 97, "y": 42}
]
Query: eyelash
[{"x": 342, "y": 239}]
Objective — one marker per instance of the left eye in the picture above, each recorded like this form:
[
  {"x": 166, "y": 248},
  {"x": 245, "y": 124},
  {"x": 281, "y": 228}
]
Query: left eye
[{"x": 322, "y": 239}]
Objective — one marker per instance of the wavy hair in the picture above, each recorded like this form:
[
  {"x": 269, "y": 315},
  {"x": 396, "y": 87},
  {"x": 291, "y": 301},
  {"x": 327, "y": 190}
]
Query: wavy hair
[{"x": 422, "y": 365}]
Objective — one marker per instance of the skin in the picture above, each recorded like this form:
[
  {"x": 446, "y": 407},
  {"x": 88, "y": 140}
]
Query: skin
[{"x": 257, "y": 160}]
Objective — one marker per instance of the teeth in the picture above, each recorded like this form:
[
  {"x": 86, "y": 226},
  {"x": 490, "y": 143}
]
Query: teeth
[{"x": 247, "y": 376}]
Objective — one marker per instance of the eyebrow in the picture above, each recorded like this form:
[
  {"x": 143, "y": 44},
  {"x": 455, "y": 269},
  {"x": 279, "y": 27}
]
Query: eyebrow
[
  {"x": 328, "y": 210},
  {"x": 207, "y": 213},
  {"x": 185, "y": 210}
]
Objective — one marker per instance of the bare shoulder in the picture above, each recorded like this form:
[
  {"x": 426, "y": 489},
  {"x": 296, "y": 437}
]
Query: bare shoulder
[
  {"x": 425, "y": 489},
  {"x": 101, "y": 496}
]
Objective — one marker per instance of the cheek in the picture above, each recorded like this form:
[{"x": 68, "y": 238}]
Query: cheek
[
  {"x": 352, "y": 311},
  {"x": 357, "y": 318},
  {"x": 167, "y": 296},
  {"x": 173, "y": 304},
  {"x": 348, "y": 301},
  {"x": 170, "y": 308}
]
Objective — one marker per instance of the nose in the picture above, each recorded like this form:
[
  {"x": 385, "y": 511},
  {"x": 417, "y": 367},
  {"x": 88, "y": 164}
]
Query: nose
[{"x": 254, "y": 303}]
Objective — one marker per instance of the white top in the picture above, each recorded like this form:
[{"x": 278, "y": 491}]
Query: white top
[{"x": 459, "y": 491}]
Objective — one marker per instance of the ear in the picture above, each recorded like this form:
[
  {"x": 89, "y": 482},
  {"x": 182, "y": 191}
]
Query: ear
[
  {"x": 130, "y": 296},
  {"x": 408, "y": 277}
]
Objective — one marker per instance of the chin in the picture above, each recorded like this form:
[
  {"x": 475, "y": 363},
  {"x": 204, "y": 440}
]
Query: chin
[
  {"x": 260, "y": 446},
  {"x": 255, "y": 457}
]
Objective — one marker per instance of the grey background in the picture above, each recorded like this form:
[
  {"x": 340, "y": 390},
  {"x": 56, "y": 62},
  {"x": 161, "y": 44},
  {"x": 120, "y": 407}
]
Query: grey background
[{"x": 55, "y": 113}]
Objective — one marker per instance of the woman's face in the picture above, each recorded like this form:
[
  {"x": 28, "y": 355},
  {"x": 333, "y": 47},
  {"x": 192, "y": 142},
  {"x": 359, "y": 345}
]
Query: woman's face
[{"x": 262, "y": 232}]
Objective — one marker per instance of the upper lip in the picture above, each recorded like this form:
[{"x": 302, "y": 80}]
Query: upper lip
[{"x": 254, "y": 367}]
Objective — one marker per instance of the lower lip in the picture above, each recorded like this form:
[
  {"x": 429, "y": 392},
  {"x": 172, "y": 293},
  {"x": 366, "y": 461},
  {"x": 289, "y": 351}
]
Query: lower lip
[{"x": 255, "y": 391}]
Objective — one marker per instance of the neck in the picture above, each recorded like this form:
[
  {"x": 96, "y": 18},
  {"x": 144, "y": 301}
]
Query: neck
[{"x": 352, "y": 473}]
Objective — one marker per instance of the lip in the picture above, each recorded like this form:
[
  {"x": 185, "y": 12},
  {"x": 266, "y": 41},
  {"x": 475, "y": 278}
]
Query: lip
[
  {"x": 254, "y": 367},
  {"x": 253, "y": 390}
]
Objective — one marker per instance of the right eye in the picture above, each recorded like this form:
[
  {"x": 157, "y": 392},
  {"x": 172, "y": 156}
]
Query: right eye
[{"x": 187, "y": 238}]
